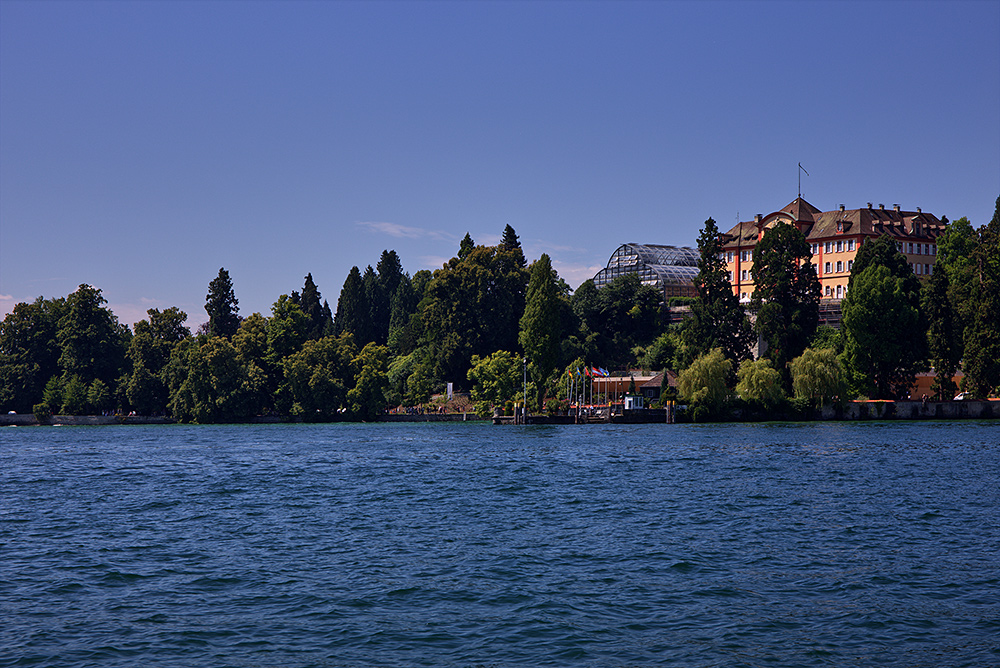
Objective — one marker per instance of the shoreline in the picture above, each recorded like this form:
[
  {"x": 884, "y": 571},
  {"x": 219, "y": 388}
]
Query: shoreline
[{"x": 855, "y": 411}]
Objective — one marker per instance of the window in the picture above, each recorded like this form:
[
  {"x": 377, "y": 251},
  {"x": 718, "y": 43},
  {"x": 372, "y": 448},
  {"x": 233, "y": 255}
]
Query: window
[
  {"x": 899, "y": 247},
  {"x": 827, "y": 291},
  {"x": 850, "y": 265},
  {"x": 850, "y": 244},
  {"x": 840, "y": 292},
  {"x": 920, "y": 248},
  {"x": 933, "y": 249},
  {"x": 840, "y": 246},
  {"x": 744, "y": 256},
  {"x": 826, "y": 268},
  {"x": 840, "y": 266},
  {"x": 927, "y": 269},
  {"x": 743, "y": 295},
  {"x": 730, "y": 276},
  {"x": 826, "y": 247},
  {"x": 743, "y": 275},
  {"x": 911, "y": 249},
  {"x": 729, "y": 256}
]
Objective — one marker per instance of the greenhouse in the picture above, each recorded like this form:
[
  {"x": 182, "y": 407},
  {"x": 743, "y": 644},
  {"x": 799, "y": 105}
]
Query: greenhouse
[{"x": 672, "y": 269}]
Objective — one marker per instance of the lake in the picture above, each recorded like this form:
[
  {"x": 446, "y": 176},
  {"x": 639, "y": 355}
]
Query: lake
[{"x": 465, "y": 544}]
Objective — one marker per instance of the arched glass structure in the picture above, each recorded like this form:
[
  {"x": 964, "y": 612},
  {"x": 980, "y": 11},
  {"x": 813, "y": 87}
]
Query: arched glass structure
[{"x": 672, "y": 269}]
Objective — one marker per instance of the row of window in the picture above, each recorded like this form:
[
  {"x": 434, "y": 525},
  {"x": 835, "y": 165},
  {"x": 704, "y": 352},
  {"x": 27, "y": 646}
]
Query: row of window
[
  {"x": 839, "y": 266},
  {"x": 840, "y": 246},
  {"x": 916, "y": 249},
  {"x": 829, "y": 246}
]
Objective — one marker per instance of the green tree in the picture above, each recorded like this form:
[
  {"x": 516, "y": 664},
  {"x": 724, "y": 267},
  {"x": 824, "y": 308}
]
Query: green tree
[
  {"x": 91, "y": 341},
  {"x": 885, "y": 337},
  {"x": 472, "y": 306},
  {"x": 287, "y": 329},
  {"x": 759, "y": 384},
  {"x": 818, "y": 376},
  {"x": 944, "y": 341},
  {"x": 496, "y": 379},
  {"x": 74, "y": 396},
  {"x": 466, "y": 246},
  {"x": 222, "y": 306},
  {"x": 703, "y": 384},
  {"x": 149, "y": 353},
  {"x": 320, "y": 374},
  {"x": 217, "y": 388},
  {"x": 316, "y": 312},
  {"x": 718, "y": 320},
  {"x": 955, "y": 250},
  {"x": 786, "y": 294},
  {"x": 828, "y": 337},
  {"x": 541, "y": 335},
  {"x": 982, "y": 334},
  {"x": 29, "y": 353},
  {"x": 352, "y": 308},
  {"x": 99, "y": 396},
  {"x": 367, "y": 398},
  {"x": 616, "y": 321}
]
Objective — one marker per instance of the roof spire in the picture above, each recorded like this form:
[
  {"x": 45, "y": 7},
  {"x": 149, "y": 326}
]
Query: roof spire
[{"x": 801, "y": 169}]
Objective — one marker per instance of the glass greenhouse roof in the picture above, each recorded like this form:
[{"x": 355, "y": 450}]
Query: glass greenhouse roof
[{"x": 660, "y": 266}]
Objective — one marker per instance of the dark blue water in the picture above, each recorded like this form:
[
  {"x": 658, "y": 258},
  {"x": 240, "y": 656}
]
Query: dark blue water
[{"x": 474, "y": 545}]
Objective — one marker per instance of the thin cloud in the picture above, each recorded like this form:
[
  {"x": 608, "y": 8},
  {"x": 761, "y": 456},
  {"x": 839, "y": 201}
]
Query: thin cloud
[
  {"x": 575, "y": 274},
  {"x": 404, "y": 231}
]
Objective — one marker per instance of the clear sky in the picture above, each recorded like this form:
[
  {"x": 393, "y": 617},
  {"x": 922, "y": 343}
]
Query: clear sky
[{"x": 143, "y": 145}]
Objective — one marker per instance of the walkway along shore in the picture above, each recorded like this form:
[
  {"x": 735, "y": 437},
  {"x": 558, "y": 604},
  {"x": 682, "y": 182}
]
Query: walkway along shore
[{"x": 855, "y": 410}]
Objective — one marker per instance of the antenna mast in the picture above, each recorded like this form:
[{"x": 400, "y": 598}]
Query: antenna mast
[{"x": 801, "y": 169}]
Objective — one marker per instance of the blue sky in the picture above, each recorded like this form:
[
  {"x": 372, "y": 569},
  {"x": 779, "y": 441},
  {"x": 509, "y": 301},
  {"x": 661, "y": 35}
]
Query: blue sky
[{"x": 143, "y": 145}]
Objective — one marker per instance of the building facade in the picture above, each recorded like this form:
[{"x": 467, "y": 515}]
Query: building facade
[{"x": 834, "y": 238}]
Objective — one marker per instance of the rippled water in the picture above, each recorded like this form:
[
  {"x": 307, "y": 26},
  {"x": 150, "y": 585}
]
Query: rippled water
[{"x": 474, "y": 545}]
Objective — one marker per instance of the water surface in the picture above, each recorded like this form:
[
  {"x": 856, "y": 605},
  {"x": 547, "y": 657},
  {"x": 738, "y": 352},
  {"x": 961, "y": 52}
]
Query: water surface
[{"x": 473, "y": 545}]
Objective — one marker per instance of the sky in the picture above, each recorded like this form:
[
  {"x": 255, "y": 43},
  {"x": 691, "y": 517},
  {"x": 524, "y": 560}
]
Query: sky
[{"x": 144, "y": 145}]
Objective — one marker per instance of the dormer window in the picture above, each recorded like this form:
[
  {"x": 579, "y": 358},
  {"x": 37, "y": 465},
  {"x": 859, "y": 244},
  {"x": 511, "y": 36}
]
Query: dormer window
[{"x": 840, "y": 226}]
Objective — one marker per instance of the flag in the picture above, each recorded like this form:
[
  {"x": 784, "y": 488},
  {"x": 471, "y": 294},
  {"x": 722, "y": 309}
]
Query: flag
[{"x": 604, "y": 372}]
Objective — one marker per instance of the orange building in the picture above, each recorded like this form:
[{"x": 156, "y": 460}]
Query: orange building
[{"x": 834, "y": 237}]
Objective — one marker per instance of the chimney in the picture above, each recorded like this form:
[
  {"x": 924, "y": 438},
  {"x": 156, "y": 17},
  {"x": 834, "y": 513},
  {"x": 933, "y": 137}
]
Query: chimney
[
  {"x": 757, "y": 218},
  {"x": 841, "y": 207},
  {"x": 918, "y": 210},
  {"x": 869, "y": 205},
  {"x": 881, "y": 206}
]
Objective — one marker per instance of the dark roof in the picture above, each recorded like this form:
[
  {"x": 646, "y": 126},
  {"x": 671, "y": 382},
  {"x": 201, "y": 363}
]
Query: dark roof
[{"x": 823, "y": 224}]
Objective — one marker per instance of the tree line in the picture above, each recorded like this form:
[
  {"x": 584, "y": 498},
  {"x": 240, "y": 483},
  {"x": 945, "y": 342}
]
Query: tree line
[{"x": 487, "y": 319}]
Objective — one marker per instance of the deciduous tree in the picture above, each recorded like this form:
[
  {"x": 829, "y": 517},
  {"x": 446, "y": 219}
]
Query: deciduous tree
[{"x": 818, "y": 375}]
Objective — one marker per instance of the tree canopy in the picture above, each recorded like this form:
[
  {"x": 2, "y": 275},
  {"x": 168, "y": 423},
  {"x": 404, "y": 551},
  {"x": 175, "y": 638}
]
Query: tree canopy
[{"x": 786, "y": 294}]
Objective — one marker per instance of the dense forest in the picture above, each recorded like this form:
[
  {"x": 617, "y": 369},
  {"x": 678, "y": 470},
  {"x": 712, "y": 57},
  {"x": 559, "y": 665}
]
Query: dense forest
[{"x": 487, "y": 319}]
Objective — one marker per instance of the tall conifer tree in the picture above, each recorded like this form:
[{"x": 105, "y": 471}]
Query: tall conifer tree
[
  {"x": 222, "y": 306},
  {"x": 718, "y": 320},
  {"x": 540, "y": 334},
  {"x": 786, "y": 294}
]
